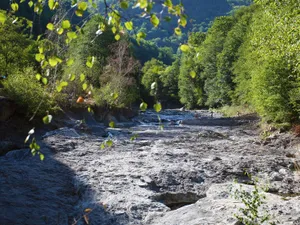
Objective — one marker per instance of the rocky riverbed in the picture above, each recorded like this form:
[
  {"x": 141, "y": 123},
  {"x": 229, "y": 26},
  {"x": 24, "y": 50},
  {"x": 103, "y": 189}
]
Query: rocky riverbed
[{"x": 175, "y": 169}]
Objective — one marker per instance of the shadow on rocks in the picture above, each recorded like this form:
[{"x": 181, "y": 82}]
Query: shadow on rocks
[{"x": 34, "y": 192}]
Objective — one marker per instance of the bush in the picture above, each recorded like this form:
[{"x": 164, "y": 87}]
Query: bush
[{"x": 28, "y": 93}]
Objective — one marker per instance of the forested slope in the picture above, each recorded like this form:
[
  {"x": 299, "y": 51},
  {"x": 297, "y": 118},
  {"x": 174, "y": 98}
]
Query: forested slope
[{"x": 250, "y": 58}]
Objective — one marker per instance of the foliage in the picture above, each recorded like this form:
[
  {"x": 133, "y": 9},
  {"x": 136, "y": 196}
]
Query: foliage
[
  {"x": 215, "y": 86},
  {"x": 190, "y": 81},
  {"x": 235, "y": 110},
  {"x": 252, "y": 212},
  {"x": 12, "y": 42},
  {"x": 151, "y": 79},
  {"x": 28, "y": 93},
  {"x": 90, "y": 44},
  {"x": 118, "y": 85}
]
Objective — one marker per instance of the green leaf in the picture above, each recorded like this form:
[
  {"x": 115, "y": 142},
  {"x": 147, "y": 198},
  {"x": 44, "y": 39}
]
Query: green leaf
[
  {"x": 129, "y": 25},
  {"x": 177, "y": 31},
  {"x": 141, "y": 35},
  {"x": 71, "y": 35},
  {"x": 42, "y": 157},
  {"x": 84, "y": 86},
  {"x": 79, "y": 13},
  {"x": 29, "y": 23},
  {"x": 193, "y": 74},
  {"x": 111, "y": 124},
  {"x": 38, "y": 76},
  {"x": 39, "y": 57},
  {"x": 133, "y": 137},
  {"x": 45, "y": 80},
  {"x": 117, "y": 37},
  {"x": 66, "y": 24},
  {"x": 30, "y": 3},
  {"x": 168, "y": 3},
  {"x": 61, "y": 86},
  {"x": 82, "y": 6},
  {"x": 157, "y": 107},
  {"x": 143, "y": 106},
  {"x": 59, "y": 31},
  {"x": 53, "y": 61},
  {"x": 114, "y": 95},
  {"x": 143, "y": 3},
  {"x": 184, "y": 48},
  {"x": 64, "y": 83},
  {"x": 154, "y": 20},
  {"x": 72, "y": 77},
  {"x": 38, "y": 8},
  {"x": 114, "y": 29},
  {"x": 109, "y": 143},
  {"x": 82, "y": 77},
  {"x": 70, "y": 62},
  {"x": 90, "y": 61},
  {"x": 51, "y": 4},
  {"x": 102, "y": 146},
  {"x": 183, "y": 20},
  {"x": 47, "y": 119},
  {"x": 14, "y": 6},
  {"x": 2, "y": 17},
  {"x": 50, "y": 26},
  {"x": 41, "y": 50},
  {"x": 124, "y": 5}
]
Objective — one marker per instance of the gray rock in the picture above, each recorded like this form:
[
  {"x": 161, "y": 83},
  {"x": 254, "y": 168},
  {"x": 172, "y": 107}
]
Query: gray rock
[
  {"x": 162, "y": 177},
  {"x": 219, "y": 208},
  {"x": 19, "y": 154},
  {"x": 276, "y": 177}
]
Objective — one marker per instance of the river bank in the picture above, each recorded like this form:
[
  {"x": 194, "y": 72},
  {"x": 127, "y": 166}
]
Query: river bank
[{"x": 157, "y": 171}]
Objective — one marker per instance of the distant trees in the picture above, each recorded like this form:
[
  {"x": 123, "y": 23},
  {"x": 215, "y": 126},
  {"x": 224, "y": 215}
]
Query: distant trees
[
  {"x": 191, "y": 81},
  {"x": 249, "y": 58}
]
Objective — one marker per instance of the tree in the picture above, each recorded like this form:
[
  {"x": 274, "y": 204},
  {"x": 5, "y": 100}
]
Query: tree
[
  {"x": 211, "y": 47},
  {"x": 13, "y": 41},
  {"x": 151, "y": 79},
  {"x": 118, "y": 85},
  {"x": 190, "y": 81}
]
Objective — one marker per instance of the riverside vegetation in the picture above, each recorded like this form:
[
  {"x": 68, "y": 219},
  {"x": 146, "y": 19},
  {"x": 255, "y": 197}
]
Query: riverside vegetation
[{"x": 248, "y": 58}]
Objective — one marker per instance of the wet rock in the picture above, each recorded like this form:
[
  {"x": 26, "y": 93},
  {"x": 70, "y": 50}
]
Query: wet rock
[{"x": 7, "y": 108}]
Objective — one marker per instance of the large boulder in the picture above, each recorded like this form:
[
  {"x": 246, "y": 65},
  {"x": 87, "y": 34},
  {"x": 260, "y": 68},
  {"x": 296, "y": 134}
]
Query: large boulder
[
  {"x": 7, "y": 108},
  {"x": 219, "y": 207}
]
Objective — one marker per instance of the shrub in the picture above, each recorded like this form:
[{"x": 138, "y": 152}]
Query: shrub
[{"x": 28, "y": 93}]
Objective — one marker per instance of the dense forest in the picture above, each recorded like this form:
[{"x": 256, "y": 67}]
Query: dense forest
[{"x": 229, "y": 53}]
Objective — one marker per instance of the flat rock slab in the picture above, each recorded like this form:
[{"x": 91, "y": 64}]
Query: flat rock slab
[
  {"x": 144, "y": 180},
  {"x": 219, "y": 207}
]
